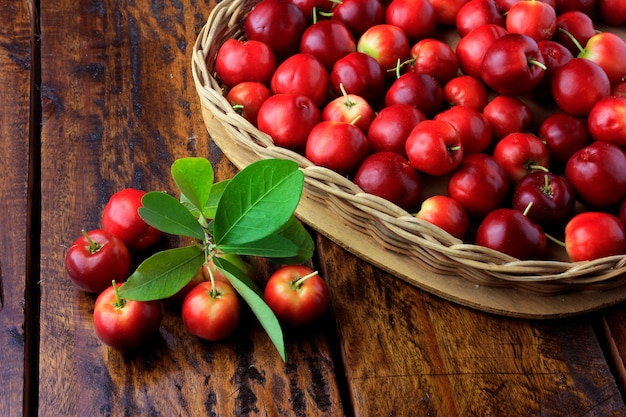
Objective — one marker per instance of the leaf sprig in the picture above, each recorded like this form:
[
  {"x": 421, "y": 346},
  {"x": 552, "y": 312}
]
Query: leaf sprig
[{"x": 251, "y": 214}]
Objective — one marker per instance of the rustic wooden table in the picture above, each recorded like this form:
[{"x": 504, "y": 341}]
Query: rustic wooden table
[{"x": 97, "y": 96}]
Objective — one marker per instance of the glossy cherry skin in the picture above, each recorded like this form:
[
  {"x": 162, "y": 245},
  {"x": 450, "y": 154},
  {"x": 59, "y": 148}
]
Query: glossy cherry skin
[
  {"x": 535, "y": 19},
  {"x": 611, "y": 12},
  {"x": 564, "y": 135},
  {"x": 507, "y": 115},
  {"x": 478, "y": 13},
  {"x": 359, "y": 15},
  {"x": 278, "y": 23},
  {"x": 598, "y": 174},
  {"x": 578, "y": 85},
  {"x": 415, "y": 17},
  {"x": 575, "y": 24},
  {"x": 473, "y": 127},
  {"x": 607, "y": 120},
  {"x": 552, "y": 198},
  {"x": 392, "y": 126},
  {"x": 593, "y": 235},
  {"x": 238, "y": 61},
  {"x": 390, "y": 176},
  {"x": 359, "y": 74},
  {"x": 211, "y": 313},
  {"x": 513, "y": 65},
  {"x": 126, "y": 325},
  {"x": 387, "y": 44},
  {"x": 328, "y": 41},
  {"x": 288, "y": 119},
  {"x": 465, "y": 90},
  {"x": 418, "y": 90},
  {"x": 509, "y": 231},
  {"x": 446, "y": 213},
  {"x": 471, "y": 48},
  {"x": 479, "y": 184},
  {"x": 435, "y": 58},
  {"x": 339, "y": 146},
  {"x": 434, "y": 147},
  {"x": 302, "y": 74},
  {"x": 247, "y": 98},
  {"x": 520, "y": 153},
  {"x": 121, "y": 217},
  {"x": 95, "y": 259}
]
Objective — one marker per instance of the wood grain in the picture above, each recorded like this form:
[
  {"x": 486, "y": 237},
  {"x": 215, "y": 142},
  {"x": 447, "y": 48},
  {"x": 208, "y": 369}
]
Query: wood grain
[
  {"x": 119, "y": 106},
  {"x": 447, "y": 360},
  {"x": 16, "y": 37}
]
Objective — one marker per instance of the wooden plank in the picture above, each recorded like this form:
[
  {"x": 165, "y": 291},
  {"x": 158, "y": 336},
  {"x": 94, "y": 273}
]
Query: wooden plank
[
  {"x": 119, "y": 106},
  {"x": 15, "y": 86},
  {"x": 445, "y": 359}
]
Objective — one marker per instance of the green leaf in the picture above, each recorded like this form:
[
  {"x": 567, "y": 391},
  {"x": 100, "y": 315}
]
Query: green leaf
[
  {"x": 258, "y": 201},
  {"x": 194, "y": 178},
  {"x": 216, "y": 194},
  {"x": 300, "y": 237},
  {"x": 254, "y": 298},
  {"x": 272, "y": 246},
  {"x": 169, "y": 215},
  {"x": 163, "y": 274}
]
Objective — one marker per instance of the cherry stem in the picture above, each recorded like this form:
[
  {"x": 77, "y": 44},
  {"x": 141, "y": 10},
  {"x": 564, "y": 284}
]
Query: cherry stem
[
  {"x": 555, "y": 240},
  {"x": 534, "y": 167},
  {"x": 573, "y": 39},
  {"x": 537, "y": 63},
  {"x": 344, "y": 93},
  {"x": 93, "y": 245},
  {"x": 356, "y": 119},
  {"x": 119, "y": 301},
  {"x": 527, "y": 209},
  {"x": 301, "y": 280}
]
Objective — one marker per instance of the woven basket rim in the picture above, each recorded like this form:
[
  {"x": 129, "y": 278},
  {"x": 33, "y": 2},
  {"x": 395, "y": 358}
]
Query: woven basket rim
[{"x": 388, "y": 224}]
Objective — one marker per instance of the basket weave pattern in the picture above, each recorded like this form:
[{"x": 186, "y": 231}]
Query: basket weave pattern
[{"x": 390, "y": 227}]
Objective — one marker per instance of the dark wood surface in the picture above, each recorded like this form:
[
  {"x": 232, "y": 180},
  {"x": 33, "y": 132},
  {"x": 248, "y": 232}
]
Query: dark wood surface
[{"x": 101, "y": 98}]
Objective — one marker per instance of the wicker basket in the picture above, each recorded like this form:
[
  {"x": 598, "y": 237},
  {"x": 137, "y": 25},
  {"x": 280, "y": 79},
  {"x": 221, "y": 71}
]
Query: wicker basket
[{"x": 383, "y": 233}]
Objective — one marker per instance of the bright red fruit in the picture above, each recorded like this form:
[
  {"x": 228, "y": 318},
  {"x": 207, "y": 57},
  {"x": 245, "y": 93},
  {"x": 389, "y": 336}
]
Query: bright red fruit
[
  {"x": 445, "y": 213},
  {"x": 238, "y": 61},
  {"x": 359, "y": 15},
  {"x": 607, "y": 120},
  {"x": 608, "y": 51},
  {"x": 465, "y": 90},
  {"x": 472, "y": 125},
  {"x": 521, "y": 153},
  {"x": 328, "y": 41},
  {"x": 435, "y": 58},
  {"x": 211, "y": 313},
  {"x": 578, "y": 85},
  {"x": 350, "y": 108},
  {"x": 415, "y": 17},
  {"x": 552, "y": 198},
  {"x": 247, "y": 98},
  {"x": 418, "y": 90},
  {"x": 434, "y": 147},
  {"x": 478, "y": 13},
  {"x": 508, "y": 114},
  {"x": 288, "y": 119},
  {"x": 598, "y": 174},
  {"x": 387, "y": 44},
  {"x": 509, "y": 231},
  {"x": 391, "y": 127},
  {"x": 611, "y": 12},
  {"x": 95, "y": 259},
  {"x": 125, "y": 324},
  {"x": 574, "y": 24},
  {"x": 296, "y": 294},
  {"x": 120, "y": 217},
  {"x": 479, "y": 184},
  {"x": 359, "y": 74},
  {"x": 278, "y": 23},
  {"x": 302, "y": 74},
  {"x": 339, "y": 146},
  {"x": 513, "y": 65},
  {"x": 564, "y": 135},
  {"x": 593, "y": 235},
  {"x": 390, "y": 176},
  {"x": 447, "y": 10},
  {"x": 532, "y": 18},
  {"x": 471, "y": 48}
]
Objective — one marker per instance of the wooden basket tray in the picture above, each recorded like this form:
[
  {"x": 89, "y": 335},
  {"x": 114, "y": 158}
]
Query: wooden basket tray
[{"x": 389, "y": 237}]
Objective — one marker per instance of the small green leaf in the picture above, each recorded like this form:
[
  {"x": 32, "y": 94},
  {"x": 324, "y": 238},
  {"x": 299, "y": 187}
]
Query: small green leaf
[
  {"x": 254, "y": 298},
  {"x": 272, "y": 246},
  {"x": 194, "y": 178},
  {"x": 258, "y": 201},
  {"x": 164, "y": 212},
  {"x": 216, "y": 194},
  {"x": 300, "y": 237},
  {"x": 163, "y": 274}
]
